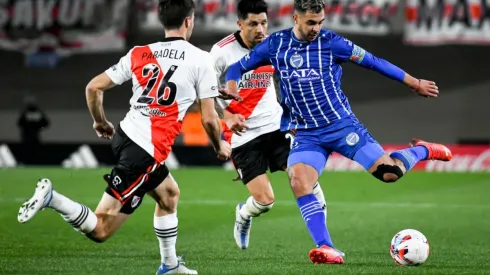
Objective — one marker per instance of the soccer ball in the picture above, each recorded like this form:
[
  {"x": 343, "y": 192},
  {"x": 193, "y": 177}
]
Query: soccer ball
[{"x": 409, "y": 247}]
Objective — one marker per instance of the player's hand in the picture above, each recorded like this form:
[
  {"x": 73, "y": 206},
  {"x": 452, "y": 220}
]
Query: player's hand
[
  {"x": 230, "y": 92},
  {"x": 224, "y": 151},
  {"x": 104, "y": 129},
  {"x": 426, "y": 88},
  {"x": 226, "y": 94},
  {"x": 236, "y": 123}
]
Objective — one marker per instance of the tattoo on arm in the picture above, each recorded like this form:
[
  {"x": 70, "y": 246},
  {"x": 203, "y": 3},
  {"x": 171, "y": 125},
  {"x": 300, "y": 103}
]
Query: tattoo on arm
[{"x": 219, "y": 110}]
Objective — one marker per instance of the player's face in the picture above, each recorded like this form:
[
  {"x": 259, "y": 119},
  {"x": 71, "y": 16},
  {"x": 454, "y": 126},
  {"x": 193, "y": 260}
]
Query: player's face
[
  {"x": 189, "y": 24},
  {"x": 309, "y": 24},
  {"x": 254, "y": 28}
]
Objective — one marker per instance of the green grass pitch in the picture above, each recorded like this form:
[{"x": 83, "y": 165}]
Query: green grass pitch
[{"x": 451, "y": 209}]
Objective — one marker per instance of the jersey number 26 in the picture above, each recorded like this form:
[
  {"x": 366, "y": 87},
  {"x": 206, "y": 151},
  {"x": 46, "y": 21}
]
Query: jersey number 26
[{"x": 166, "y": 90}]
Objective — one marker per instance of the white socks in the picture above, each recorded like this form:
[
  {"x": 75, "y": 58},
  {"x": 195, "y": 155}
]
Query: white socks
[
  {"x": 253, "y": 208},
  {"x": 166, "y": 231},
  {"x": 77, "y": 215}
]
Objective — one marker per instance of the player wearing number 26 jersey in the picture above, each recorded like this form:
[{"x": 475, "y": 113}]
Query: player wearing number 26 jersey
[{"x": 167, "y": 77}]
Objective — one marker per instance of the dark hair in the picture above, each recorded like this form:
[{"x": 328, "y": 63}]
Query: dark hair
[
  {"x": 313, "y": 6},
  {"x": 244, "y": 7},
  {"x": 172, "y": 13}
]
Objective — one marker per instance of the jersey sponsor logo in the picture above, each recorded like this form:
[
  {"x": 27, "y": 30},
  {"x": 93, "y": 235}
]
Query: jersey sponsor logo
[
  {"x": 352, "y": 139},
  {"x": 301, "y": 74},
  {"x": 256, "y": 80},
  {"x": 296, "y": 60},
  {"x": 357, "y": 54},
  {"x": 149, "y": 112}
]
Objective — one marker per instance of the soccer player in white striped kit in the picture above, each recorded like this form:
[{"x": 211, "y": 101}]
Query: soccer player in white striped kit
[
  {"x": 167, "y": 76},
  {"x": 252, "y": 126}
]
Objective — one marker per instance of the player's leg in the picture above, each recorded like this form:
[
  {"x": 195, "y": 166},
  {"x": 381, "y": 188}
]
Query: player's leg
[
  {"x": 251, "y": 163},
  {"x": 97, "y": 226},
  {"x": 390, "y": 168},
  {"x": 306, "y": 162},
  {"x": 360, "y": 146},
  {"x": 278, "y": 159},
  {"x": 165, "y": 223}
]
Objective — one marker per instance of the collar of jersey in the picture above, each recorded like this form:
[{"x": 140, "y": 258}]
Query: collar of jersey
[
  {"x": 297, "y": 39},
  {"x": 240, "y": 40},
  {"x": 174, "y": 38}
]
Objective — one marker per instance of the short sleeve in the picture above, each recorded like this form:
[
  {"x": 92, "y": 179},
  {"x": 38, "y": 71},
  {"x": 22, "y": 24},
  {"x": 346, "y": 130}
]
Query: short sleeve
[
  {"x": 218, "y": 61},
  {"x": 206, "y": 84},
  {"x": 121, "y": 72}
]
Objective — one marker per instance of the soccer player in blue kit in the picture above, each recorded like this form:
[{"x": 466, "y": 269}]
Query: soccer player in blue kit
[{"x": 307, "y": 59}]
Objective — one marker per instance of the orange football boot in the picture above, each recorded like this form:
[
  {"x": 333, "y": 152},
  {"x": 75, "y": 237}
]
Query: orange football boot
[
  {"x": 325, "y": 255},
  {"x": 436, "y": 151}
]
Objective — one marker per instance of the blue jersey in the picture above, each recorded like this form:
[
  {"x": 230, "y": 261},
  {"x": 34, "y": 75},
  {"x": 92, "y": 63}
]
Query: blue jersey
[{"x": 310, "y": 74}]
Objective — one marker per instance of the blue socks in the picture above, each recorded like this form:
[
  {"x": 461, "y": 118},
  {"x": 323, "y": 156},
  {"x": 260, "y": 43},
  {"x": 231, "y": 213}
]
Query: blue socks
[
  {"x": 314, "y": 217},
  {"x": 411, "y": 156}
]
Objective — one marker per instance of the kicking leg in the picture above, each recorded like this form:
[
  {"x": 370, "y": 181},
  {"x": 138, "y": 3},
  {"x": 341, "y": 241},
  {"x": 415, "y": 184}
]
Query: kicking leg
[
  {"x": 165, "y": 223},
  {"x": 98, "y": 226},
  {"x": 390, "y": 168}
]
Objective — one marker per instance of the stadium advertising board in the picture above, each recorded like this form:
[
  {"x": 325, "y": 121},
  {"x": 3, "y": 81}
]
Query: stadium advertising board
[
  {"x": 371, "y": 17},
  {"x": 63, "y": 26},
  {"x": 466, "y": 158},
  {"x": 435, "y": 22}
]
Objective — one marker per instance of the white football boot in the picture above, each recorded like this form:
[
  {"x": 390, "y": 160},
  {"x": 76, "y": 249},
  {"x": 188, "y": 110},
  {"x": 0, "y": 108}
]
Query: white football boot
[
  {"x": 241, "y": 231},
  {"x": 41, "y": 199},
  {"x": 179, "y": 269}
]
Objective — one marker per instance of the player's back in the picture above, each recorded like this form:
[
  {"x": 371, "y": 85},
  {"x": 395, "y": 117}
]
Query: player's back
[
  {"x": 259, "y": 106},
  {"x": 167, "y": 78},
  {"x": 310, "y": 80}
]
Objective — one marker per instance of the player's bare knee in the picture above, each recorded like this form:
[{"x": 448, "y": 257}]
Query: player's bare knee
[
  {"x": 298, "y": 183},
  {"x": 388, "y": 173},
  {"x": 172, "y": 191}
]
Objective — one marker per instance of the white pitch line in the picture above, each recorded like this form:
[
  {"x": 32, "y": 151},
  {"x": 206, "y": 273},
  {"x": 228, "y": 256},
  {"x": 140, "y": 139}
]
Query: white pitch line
[{"x": 148, "y": 200}]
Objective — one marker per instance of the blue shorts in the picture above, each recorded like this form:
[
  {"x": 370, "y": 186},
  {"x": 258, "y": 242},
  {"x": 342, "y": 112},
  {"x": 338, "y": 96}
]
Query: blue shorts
[{"x": 351, "y": 140}]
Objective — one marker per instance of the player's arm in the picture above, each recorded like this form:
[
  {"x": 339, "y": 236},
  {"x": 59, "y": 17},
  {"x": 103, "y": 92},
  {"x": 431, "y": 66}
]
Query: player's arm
[
  {"x": 210, "y": 121},
  {"x": 207, "y": 91},
  {"x": 259, "y": 56},
  {"x": 235, "y": 122},
  {"x": 94, "y": 93},
  {"x": 344, "y": 50}
]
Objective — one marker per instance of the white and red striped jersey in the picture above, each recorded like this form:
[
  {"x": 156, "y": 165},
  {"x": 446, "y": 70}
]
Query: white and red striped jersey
[
  {"x": 259, "y": 106},
  {"x": 167, "y": 78}
]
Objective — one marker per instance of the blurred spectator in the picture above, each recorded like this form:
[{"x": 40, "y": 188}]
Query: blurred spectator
[
  {"x": 31, "y": 122},
  {"x": 193, "y": 132}
]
